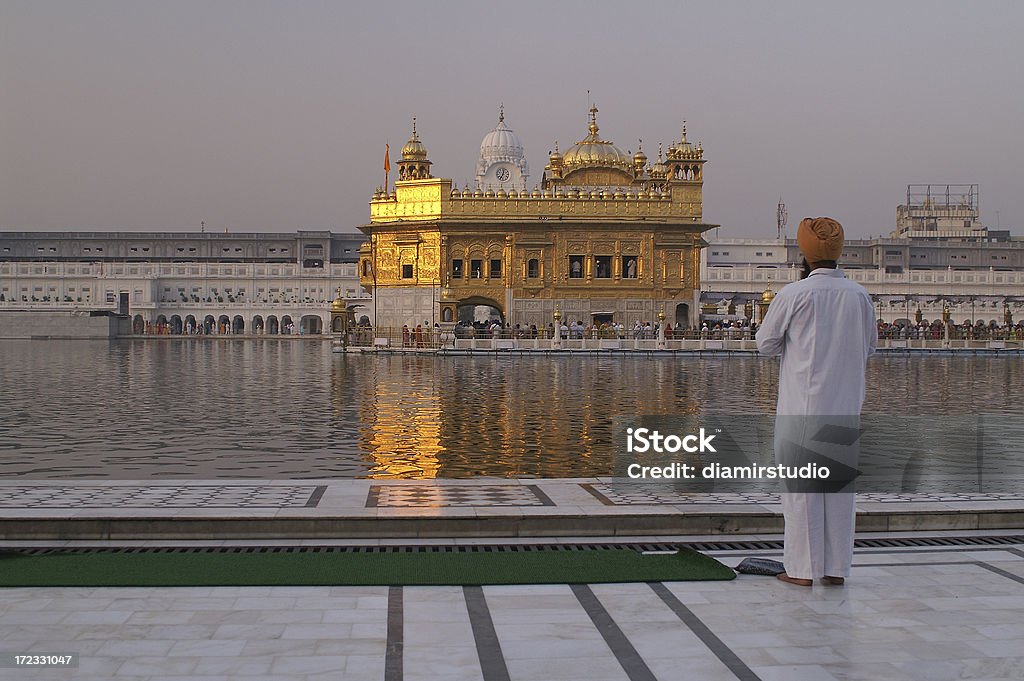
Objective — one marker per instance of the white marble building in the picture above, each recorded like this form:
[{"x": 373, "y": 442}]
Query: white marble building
[{"x": 176, "y": 282}]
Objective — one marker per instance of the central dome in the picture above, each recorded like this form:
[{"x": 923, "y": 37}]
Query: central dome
[{"x": 592, "y": 151}]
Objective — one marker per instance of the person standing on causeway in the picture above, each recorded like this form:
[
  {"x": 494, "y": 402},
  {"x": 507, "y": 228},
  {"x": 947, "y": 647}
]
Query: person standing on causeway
[{"x": 823, "y": 328}]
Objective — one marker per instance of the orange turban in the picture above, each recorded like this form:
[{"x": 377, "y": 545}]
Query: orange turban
[{"x": 820, "y": 239}]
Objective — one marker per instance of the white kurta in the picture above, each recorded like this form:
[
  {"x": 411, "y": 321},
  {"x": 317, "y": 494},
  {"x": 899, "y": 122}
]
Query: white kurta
[{"x": 824, "y": 329}]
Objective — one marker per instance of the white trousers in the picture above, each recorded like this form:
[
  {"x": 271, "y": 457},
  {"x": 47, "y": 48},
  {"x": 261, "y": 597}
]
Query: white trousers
[{"x": 819, "y": 534}]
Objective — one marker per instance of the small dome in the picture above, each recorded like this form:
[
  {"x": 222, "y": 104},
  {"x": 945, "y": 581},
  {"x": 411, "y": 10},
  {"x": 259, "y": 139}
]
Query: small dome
[
  {"x": 640, "y": 158},
  {"x": 555, "y": 158},
  {"x": 660, "y": 169},
  {"x": 414, "y": 149}
]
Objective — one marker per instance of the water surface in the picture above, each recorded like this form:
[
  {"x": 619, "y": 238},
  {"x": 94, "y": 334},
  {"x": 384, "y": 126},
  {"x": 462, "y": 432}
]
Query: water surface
[{"x": 292, "y": 409}]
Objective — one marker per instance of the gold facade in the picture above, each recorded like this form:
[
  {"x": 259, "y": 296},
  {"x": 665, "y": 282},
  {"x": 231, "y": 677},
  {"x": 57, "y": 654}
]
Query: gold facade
[{"x": 603, "y": 227}]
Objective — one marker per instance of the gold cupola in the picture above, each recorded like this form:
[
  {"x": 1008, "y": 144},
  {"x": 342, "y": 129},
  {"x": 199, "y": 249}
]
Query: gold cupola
[
  {"x": 414, "y": 164},
  {"x": 594, "y": 153},
  {"x": 660, "y": 170},
  {"x": 639, "y": 158}
]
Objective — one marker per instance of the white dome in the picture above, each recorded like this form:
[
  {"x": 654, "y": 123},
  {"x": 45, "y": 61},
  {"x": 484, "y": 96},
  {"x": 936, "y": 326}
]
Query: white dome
[{"x": 501, "y": 145}]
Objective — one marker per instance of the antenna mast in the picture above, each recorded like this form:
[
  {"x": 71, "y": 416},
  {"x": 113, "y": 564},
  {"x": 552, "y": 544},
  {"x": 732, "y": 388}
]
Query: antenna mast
[{"x": 781, "y": 217}]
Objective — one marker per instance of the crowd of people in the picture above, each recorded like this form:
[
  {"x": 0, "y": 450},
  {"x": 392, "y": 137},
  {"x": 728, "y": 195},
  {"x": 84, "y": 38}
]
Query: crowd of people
[
  {"x": 430, "y": 335},
  {"x": 578, "y": 330},
  {"x": 935, "y": 330}
]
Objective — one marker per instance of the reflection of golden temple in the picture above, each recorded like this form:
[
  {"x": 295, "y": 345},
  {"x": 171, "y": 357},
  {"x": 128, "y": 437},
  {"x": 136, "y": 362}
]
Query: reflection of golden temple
[
  {"x": 411, "y": 429},
  {"x": 603, "y": 236}
]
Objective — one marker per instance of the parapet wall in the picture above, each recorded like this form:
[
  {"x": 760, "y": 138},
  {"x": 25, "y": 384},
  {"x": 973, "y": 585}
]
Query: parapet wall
[{"x": 47, "y": 324}]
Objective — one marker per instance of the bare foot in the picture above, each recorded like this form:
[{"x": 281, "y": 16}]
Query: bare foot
[
  {"x": 833, "y": 581},
  {"x": 793, "y": 580}
]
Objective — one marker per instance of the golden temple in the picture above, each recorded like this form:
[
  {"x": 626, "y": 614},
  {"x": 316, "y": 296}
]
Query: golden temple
[{"x": 605, "y": 237}]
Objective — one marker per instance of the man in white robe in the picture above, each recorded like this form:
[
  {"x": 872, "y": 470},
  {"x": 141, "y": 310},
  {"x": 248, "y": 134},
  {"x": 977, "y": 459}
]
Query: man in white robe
[{"x": 823, "y": 328}]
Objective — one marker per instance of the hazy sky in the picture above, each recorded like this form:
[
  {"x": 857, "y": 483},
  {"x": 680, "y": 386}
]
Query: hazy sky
[{"x": 268, "y": 116}]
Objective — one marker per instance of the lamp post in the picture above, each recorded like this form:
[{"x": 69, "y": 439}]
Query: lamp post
[
  {"x": 661, "y": 329},
  {"x": 945, "y": 322},
  {"x": 557, "y": 340}
]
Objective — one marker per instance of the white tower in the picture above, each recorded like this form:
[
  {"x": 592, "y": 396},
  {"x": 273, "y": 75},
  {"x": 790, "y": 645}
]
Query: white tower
[{"x": 502, "y": 161}]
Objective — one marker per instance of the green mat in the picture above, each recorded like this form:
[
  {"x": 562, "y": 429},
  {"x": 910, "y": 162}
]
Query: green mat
[{"x": 343, "y": 568}]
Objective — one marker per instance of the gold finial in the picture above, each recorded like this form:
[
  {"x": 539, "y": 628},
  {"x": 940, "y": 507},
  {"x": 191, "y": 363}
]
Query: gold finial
[
  {"x": 501, "y": 112},
  {"x": 414, "y": 129},
  {"x": 659, "y": 152},
  {"x": 556, "y": 146},
  {"x": 683, "y": 141},
  {"x": 338, "y": 304},
  {"x": 593, "y": 120}
]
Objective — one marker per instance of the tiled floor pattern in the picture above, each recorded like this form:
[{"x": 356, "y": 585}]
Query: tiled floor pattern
[
  {"x": 410, "y": 495},
  {"x": 912, "y": 615},
  {"x": 160, "y": 496},
  {"x": 625, "y": 493},
  {"x": 484, "y": 495}
]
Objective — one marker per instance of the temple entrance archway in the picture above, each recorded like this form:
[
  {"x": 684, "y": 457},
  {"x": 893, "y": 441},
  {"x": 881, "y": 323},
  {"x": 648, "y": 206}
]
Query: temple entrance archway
[
  {"x": 479, "y": 310},
  {"x": 311, "y": 324},
  {"x": 683, "y": 315}
]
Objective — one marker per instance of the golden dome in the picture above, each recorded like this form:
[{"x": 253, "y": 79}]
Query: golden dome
[
  {"x": 592, "y": 151},
  {"x": 660, "y": 169},
  {"x": 640, "y": 158},
  {"x": 555, "y": 158},
  {"x": 338, "y": 304},
  {"x": 684, "y": 150},
  {"x": 414, "y": 149}
]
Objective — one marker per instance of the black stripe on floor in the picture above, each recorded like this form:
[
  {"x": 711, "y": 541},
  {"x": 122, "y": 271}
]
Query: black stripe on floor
[
  {"x": 634, "y": 666},
  {"x": 488, "y": 648},
  {"x": 723, "y": 652},
  {"x": 395, "y": 646},
  {"x": 1000, "y": 571}
]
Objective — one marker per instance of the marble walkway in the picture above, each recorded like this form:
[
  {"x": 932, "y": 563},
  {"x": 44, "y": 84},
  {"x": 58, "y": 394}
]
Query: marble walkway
[
  {"x": 922, "y": 614},
  {"x": 929, "y": 612}
]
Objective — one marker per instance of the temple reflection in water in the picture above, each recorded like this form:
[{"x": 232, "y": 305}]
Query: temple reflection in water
[{"x": 426, "y": 417}]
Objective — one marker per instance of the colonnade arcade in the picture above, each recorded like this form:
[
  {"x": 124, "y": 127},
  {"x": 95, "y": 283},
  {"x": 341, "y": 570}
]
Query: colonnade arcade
[{"x": 227, "y": 324}]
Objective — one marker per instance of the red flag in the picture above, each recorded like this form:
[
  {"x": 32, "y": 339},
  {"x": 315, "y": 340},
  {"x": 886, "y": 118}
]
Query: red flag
[{"x": 387, "y": 158}]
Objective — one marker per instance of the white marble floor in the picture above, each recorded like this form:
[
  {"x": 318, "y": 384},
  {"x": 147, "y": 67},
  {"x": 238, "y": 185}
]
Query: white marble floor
[{"x": 905, "y": 614}]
